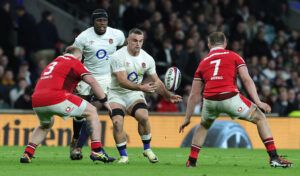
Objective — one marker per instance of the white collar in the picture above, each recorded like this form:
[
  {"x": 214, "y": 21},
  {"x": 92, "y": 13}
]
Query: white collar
[
  {"x": 68, "y": 54},
  {"x": 216, "y": 48}
]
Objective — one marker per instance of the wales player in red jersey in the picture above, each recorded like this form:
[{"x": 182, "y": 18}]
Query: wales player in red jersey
[
  {"x": 53, "y": 96},
  {"x": 216, "y": 77}
]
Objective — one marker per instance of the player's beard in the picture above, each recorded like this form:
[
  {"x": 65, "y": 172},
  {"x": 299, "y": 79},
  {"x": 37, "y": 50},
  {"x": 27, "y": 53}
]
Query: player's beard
[{"x": 100, "y": 31}]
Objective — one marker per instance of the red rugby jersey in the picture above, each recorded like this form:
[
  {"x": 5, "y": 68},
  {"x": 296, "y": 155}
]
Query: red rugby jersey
[
  {"x": 218, "y": 70},
  {"x": 58, "y": 81}
]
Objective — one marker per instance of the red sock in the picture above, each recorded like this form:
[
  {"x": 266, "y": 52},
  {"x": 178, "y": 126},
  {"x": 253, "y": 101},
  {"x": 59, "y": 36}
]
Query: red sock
[
  {"x": 96, "y": 146},
  {"x": 269, "y": 143},
  {"x": 270, "y": 146},
  {"x": 30, "y": 149},
  {"x": 194, "y": 151}
]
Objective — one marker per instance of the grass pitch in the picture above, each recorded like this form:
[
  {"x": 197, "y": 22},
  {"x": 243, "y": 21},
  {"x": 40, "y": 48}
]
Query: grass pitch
[{"x": 54, "y": 161}]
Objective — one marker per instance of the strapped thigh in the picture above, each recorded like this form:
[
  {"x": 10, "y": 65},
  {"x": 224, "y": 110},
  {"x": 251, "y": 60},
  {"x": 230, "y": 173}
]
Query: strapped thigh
[
  {"x": 136, "y": 107},
  {"x": 117, "y": 111}
]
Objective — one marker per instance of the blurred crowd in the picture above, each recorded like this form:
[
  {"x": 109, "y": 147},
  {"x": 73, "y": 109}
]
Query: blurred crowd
[{"x": 175, "y": 36}]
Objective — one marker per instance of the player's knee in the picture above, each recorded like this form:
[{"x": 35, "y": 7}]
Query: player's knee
[
  {"x": 258, "y": 116},
  {"x": 136, "y": 107},
  {"x": 47, "y": 125},
  {"x": 117, "y": 112},
  {"x": 206, "y": 123}
]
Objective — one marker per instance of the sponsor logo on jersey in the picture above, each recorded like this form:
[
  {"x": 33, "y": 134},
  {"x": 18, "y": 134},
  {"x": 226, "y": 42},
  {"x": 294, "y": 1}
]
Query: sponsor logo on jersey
[
  {"x": 143, "y": 65},
  {"x": 133, "y": 77},
  {"x": 110, "y": 41},
  {"x": 102, "y": 54}
]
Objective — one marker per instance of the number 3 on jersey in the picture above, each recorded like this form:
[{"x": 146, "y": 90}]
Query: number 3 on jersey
[
  {"x": 217, "y": 64},
  {"x": 50, "y": 68}
]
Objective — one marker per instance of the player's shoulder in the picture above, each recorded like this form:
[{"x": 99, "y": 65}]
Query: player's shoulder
[
  {"x": 235, "y": 55},
  {"x": 146, "y": 55},
  {"x": 114, "y": 31},
  {"x": 232, "y": 52}
]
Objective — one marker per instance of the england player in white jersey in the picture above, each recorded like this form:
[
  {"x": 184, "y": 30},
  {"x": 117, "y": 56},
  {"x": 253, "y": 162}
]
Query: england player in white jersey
[
  {"x": 97, "y": 43},
  {"x": 129, "y": 65}
]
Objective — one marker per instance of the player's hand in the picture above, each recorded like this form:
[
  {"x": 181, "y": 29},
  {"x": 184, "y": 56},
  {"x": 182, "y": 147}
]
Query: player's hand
[
  {"x": 264, "y": 106},
  {"x": 175, "y": 99},
  {"x": 107, "y": 106},
  {"x": 148, "y": 87},
  {"x": 184, "y": 124}
]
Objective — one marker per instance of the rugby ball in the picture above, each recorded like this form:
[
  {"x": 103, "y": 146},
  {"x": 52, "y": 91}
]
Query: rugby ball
[{"x": 172, "y": 78}]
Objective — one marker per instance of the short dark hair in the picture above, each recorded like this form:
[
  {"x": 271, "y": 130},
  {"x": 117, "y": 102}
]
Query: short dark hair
[
  {"x": 216, "y": 38},
  {"x": 136, "y": 31},
  {"x": 99, "y": 13},
  {"x": 71, "y": 49}
]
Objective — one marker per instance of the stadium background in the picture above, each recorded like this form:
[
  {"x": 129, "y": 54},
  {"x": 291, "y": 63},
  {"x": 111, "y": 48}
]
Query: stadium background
[{"x": 265, "y": 33}]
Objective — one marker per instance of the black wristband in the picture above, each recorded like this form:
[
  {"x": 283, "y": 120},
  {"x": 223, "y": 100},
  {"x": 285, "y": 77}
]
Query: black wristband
[{"x": 103, "y": 100}]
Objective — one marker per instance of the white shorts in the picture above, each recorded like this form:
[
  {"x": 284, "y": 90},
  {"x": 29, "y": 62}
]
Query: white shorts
[
  {"x": 63, "y": 109},
  {"x": 126, "y": 99},
  {"x": 236, "y": 107},
  {"x": 85, "y": 89}
]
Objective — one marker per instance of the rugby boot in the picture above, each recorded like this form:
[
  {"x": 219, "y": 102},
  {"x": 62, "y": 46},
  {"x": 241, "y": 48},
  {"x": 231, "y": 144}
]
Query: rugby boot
[{"x": 150, "y": 155}]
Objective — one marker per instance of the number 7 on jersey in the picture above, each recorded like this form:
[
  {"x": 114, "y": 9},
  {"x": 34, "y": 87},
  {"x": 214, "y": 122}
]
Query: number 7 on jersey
[{"x": 217, "y": 64}]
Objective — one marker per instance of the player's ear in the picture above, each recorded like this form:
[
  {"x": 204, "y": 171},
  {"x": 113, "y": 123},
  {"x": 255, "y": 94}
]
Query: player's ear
[{"x": 208, "y": 45}]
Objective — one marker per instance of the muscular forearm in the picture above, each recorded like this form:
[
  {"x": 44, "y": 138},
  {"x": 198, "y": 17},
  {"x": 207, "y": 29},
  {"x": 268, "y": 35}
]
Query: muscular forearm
[
  {"x": 96, "y": 88},
  {"x": 161, "y": 90},
  {"x": 192, "y": 101},
  {"x": 251, "y": 89},
  {"x": 98, "y": 91},
  {"x": 129, "y": 85}
]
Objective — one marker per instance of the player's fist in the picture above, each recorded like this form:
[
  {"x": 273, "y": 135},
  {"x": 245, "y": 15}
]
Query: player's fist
[
  {"x": 184, "y": 124},
  {"x": 264, "y": 106},
  {"x": 175, "y": 99}
]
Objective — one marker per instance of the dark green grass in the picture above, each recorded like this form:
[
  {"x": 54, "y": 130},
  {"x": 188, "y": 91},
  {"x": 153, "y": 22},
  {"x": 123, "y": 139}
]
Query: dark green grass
[{"x": 54, "y": 161}]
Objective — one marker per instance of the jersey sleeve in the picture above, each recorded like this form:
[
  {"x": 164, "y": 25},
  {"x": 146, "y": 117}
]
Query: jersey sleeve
[
  {"x": 239, "y": 61},
  {"x": 80, "y": 69},
  {"x": 198, "y": 74},
  {"x": 117, "y": 64},
  {"x": 152, "y": 69},
  {"x": 79, "y": 42}
]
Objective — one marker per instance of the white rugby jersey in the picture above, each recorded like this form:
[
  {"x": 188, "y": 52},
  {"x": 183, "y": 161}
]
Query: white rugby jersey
[
  {"x": 97, "y": 49},
  {"x": 135, "y": 66}
]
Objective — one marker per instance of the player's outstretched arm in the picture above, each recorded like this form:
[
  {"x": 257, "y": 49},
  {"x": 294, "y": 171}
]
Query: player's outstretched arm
[
  {"x": 125, "y": 83},
  {"x": 194, "y": 98},
  {"x": 251, "y": 88},
  {"x": 97, "y": 90},
  {"x": 162, "y": 90}
]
